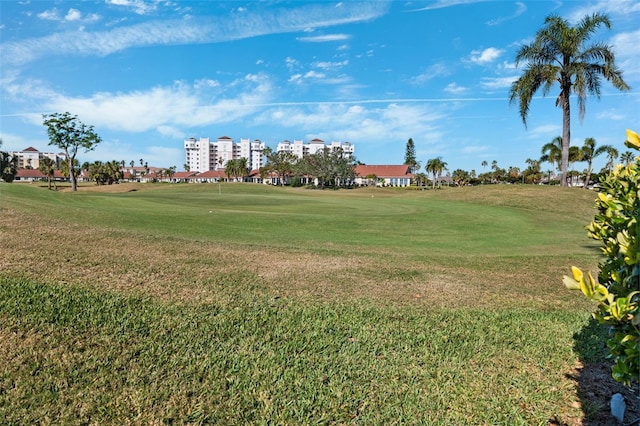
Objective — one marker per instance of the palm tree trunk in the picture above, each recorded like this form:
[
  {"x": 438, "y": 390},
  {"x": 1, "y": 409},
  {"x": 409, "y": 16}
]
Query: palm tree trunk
[
  {"x": 588, "y": 177},
  {"x": 566, "y": 136}
]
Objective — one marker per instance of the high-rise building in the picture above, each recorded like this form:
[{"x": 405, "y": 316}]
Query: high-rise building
[
  {"x": 203, "y": 154},
  {"x": 300, "y": 149}
]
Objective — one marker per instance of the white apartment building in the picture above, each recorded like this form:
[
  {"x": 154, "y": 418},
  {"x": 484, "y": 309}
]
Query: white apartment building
[
  {"x": 30, "y": 158},
  {"x": 300, "y": 149},
  {"x": 203, "y": 155}
]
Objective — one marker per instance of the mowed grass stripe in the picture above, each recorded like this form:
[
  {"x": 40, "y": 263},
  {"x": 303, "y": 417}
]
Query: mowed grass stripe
[
  {"x": 91, "y": 357},
  {"x": 317, "y": 220}
]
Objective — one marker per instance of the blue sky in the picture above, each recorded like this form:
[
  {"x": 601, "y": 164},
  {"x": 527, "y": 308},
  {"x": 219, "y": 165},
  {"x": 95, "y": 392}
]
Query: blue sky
[{"x": 148, "y": 74}]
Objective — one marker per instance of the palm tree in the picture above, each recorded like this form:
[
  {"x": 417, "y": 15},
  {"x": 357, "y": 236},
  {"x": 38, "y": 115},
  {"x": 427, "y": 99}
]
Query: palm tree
[
  {"x": 560, "y": 53},
  {"x": 575, "y": 155},
  {"x": 589, "y": 153},
  {"x": 552, "y": 152},
  {"x": 612, "y": 154},
  {"x": 435, "y": 166},
  {"x": 47, "y": 167},
  {"x": 241, "y": 168},
  {"x": 626, "y": 157}
]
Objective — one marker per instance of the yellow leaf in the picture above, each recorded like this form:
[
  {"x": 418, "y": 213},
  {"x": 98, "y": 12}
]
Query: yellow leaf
[
  {"x": 570, "y": 283},
  {"x": 633, "y": 139},
  {"x": 577, "y": 273}
]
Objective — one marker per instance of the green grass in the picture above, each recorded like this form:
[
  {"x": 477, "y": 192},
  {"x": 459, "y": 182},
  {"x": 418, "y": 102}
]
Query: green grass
[{"x": 258, "y": 305}]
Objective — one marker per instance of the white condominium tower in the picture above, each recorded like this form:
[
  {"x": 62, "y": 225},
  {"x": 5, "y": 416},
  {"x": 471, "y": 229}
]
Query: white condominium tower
[
  {"x": 300, "y": 149},
  {"x": 203, "y": 154}
]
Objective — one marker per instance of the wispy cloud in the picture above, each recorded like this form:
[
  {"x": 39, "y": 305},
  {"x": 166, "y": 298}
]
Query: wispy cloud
[
  {"x": 521, "y": 8},
  {"x": 621, "y": 8},
  {"x": 196, "y": 30},
  {"x": 454, "y": 89},
  {"x": 139, "y": 7},
  {"x": 325, "y": 38},
  {"x": 435, "y": 70},
  {"x": 497, "y": 83},
  {"x": 441, "y": 4}
]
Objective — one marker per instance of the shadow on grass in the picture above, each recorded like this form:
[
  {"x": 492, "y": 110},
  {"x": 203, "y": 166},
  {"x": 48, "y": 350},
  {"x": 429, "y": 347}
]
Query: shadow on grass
[{"x": 593, "y": 379}]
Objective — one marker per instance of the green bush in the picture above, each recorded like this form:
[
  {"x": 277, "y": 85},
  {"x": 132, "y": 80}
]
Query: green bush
[{"x": 616, "y": 290}]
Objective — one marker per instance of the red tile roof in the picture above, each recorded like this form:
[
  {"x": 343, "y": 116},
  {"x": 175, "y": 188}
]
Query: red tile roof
[
  {"x": 385, "y": 171},
  {"x": 210, "y": 174},
  {"x": 183, "y": 175},
  {"x": 30, "y": 149}
]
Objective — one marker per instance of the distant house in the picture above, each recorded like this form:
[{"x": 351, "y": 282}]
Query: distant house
[
  {"x": 386, "y": 175},
  {"x": 183, "y": 176},
  {"x": 35, "y": 175},
  {"x": 210, "y": 176}
]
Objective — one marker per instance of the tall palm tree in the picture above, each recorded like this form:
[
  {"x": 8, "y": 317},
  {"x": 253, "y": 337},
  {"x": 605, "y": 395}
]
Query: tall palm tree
[
  {"x": 560, "y": 54},
  {"x": 435, "y": 166},
  {"x": 589, "y": 153}
]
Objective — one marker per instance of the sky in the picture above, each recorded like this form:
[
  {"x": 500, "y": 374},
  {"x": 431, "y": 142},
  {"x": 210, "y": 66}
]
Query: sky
[{"x": 147, "y": 74}]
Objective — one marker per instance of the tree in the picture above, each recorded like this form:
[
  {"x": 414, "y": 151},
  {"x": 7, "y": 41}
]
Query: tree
[
  {"x": 8, "y": 166},
  {"x": 589, "y": 153},
  {"x": 460, "y": 177},
  {"x": 612, "y": 155},
  {"x": 47, "y": 167},
  {"x": 171, "y": 171},
  {"x": 281, "y": 163},
  {"x": 552, "y": 152},
  {"x": 626, "y": 157},
  {"x": 532, "y": 173},
  {"x": 560, "y": 54},
  {"x": 68, "y": 133},
  {"x": 331, "y": 167},
  {"x": 435, "y": 166},
  {"x": 410, "y": 156}
]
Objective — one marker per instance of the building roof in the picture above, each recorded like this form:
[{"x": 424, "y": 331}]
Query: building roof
[
  {"x": 36, "y": 174},
  {"x": 316, "y": 140},
  {"x": 210, "y": 174},
  {"x": 183, "y": 175},
  {"x": 384, "y": 171},
  {"x": 30, "y": 149}
]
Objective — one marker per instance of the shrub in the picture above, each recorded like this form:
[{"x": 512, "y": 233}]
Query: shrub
[{"x": 616, "y": 290}]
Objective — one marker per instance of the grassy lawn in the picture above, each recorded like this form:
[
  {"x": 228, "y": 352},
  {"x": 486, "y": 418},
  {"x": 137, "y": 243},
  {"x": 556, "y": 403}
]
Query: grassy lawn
[{"x": 240, "y": 303}]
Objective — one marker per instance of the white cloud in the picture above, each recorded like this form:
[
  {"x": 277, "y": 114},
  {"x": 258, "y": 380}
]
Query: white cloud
[
  {"x": 497, "y": 83},
  {"x": 330, "y": 65},
  {"x": 170, "y": 132},
  {"x": 196, "y": 30},
  {"x": 622, "y": 8},
  {"x": 73, "y": 15},
  {"x": 625, "y": 46},
  {"x": 489, "y": 54},
  {"x": 325, "y": 38},
  {"x": 137, "y": 6},
  {"x": 164, "y": 107},
  {"x": 435, "y": 70},
  {"x": 49, "y": 15},
  {"x": 522, "y": 8},
  {"x": 358, "y": 122},
  {"x": 454, "y": 89},
  {"x": 611, "y": 114}
]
